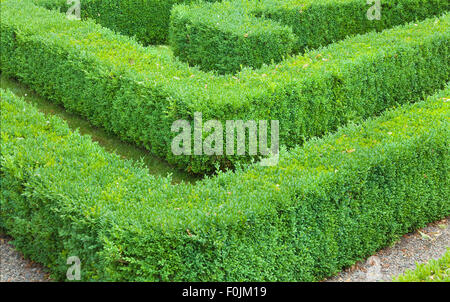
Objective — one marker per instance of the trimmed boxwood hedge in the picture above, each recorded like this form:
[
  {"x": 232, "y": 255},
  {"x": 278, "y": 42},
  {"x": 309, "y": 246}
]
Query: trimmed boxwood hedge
[
  {"x": 228, "y": 35},
  {"x": 220, "y": 37},
  {"x": 326, "y": 205},
  {"x": 147, "y": 20},
  {"x": 138, "y": 92}
]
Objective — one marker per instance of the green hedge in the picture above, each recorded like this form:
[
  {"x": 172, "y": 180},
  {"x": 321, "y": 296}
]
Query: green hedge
[
  {"x": 213, "y": 36},
  {"x": 147, "y": 20},
  {"x": 217, "y": 36},
  {"x": 326, "y": 205},
  {"x": 139, "y": 92}
]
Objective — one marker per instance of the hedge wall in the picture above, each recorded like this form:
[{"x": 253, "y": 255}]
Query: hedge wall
[
  {"x": 228, "y": 35},
  {"x": 326, "y": 205},
  {"x": 139, "y": 92},
  {"x": 147, "y": 20},
  {"x": 220, "y": 37}
]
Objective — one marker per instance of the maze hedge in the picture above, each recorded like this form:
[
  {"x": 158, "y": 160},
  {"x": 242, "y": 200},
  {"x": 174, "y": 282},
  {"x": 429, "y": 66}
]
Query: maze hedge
[
  {"x": 221, "y": 36},
  {"x": 139, "y": 92},
  {"x": 147, "y": 20},
  {"x": 326, "y": 205}
]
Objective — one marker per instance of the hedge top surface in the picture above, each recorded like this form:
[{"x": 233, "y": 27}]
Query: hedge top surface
[{"x": 92, "y": 41}]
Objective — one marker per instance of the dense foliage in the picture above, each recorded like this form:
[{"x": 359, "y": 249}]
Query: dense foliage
[
  {"x": 225, "y": 36},
  {"x": 139, "y": 92},
  {"x": 147, "y": 20},
  {"x": 326, "y": 205}
]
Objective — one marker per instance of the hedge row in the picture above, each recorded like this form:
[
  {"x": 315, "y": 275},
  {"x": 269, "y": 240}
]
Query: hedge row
[
  {"x": 220, "y": 37},
  {"x": 326, "y": 205},
  {"x": 139, "y": 92},
  {"x": 228, "y": 35},
  {"x": 147, "y": 20}
]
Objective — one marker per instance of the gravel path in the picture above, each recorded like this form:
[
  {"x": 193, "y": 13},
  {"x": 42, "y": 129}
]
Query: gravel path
[
  {"x": 14, "y": 268},
  {"x": 428, "y": 243},
  {"x": 421, "y": 246}
]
